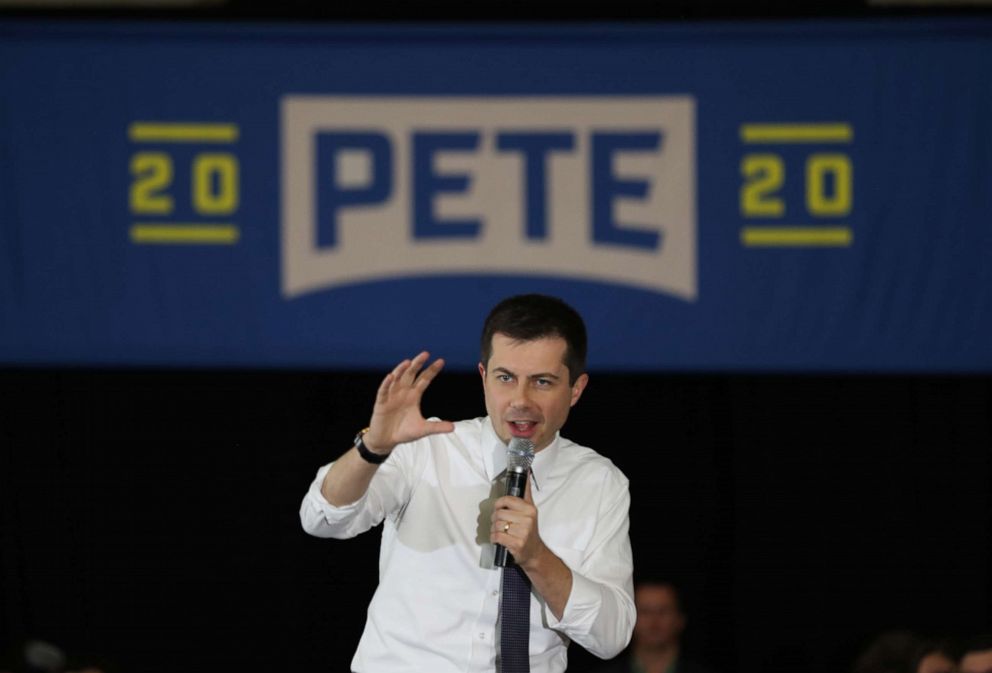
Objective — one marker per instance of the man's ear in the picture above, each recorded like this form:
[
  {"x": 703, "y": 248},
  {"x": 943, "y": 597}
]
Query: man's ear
[
  {"x": 482, "y": 372},
  {"x": 578, "y": 387}
]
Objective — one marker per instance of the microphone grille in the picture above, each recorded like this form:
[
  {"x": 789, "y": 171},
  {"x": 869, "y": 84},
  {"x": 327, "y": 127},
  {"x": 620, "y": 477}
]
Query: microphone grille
[{"x": 519, "y": 454}]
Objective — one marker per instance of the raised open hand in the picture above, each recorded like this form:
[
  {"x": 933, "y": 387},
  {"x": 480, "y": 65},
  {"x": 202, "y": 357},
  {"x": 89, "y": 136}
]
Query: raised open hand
[{"x": 396, "y": 416}]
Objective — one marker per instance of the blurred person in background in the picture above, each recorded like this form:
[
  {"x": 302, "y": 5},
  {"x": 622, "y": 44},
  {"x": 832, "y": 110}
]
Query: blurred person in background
[
  {"x": 976, "y": 657},
  {"x": 40, "y": 656},
  {"x": 656, "y": 643},
  {"x": 934, "y": 656},
  {"x": 890, "y": 652}
]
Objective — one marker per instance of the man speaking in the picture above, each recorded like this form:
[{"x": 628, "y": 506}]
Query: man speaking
[{"x": 442, "y": 604}]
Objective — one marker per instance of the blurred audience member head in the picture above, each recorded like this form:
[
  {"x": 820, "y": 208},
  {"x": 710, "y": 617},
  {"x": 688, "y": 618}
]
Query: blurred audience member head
[
  {"x": 890, "y": 652},
  {"x": 43, "y": 657},
  {"x": 934, "y": 656},
  {"x": 976, "y": 657},
  {"x": 39, "y": 656},
  {"x": 660, "y": 620}
]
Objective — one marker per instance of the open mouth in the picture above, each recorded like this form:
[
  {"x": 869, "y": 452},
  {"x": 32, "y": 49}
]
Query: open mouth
[{"x": 522, "y": 428}]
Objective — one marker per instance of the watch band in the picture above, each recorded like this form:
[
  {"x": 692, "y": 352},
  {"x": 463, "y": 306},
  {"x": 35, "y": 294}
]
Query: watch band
[{"x": 365, "y": 453}]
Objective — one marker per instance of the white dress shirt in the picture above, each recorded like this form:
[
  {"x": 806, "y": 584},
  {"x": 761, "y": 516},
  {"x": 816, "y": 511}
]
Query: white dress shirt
[{"x": 437, "y": 603}]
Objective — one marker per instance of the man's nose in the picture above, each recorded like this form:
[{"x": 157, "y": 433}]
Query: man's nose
[{"x": 521, "y": 396}]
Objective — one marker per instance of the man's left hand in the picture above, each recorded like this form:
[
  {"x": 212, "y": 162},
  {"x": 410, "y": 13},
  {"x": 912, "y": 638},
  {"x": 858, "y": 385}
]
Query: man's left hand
[{"x": 515, "y": 527}]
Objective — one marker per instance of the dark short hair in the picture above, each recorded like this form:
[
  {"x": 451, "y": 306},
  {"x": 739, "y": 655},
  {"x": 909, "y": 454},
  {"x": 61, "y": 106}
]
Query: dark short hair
[
  {"x": 528, "y": 317},
  {"x": 889, "y": 652}
]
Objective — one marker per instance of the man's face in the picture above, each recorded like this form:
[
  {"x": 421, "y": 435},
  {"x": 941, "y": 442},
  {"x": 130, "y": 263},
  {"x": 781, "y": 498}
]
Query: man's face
[
  {"x": 659, "y": 620},
  {"x": 527, "y": 390},
  {"x": 977, "y": 662}
]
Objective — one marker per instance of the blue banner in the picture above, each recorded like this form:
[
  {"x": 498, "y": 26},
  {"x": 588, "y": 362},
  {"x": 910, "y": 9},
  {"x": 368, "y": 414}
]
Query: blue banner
[{"x": 780, "y": 196}]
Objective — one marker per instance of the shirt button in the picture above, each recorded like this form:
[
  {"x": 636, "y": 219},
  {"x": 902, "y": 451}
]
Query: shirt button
[
  {"x": 482, "y": 636},
  {"x": 495, "y": 593}
]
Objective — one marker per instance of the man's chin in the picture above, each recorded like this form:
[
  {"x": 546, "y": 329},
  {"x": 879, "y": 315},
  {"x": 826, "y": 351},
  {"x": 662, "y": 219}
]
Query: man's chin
[{"x": 538, "y": 442}]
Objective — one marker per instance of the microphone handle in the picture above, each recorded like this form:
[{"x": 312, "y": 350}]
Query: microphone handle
[{"x": 516, "y": 484}]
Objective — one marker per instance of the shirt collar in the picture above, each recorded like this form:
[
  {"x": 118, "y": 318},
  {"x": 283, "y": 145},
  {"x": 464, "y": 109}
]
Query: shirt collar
[{"x": 494, "y": 455}]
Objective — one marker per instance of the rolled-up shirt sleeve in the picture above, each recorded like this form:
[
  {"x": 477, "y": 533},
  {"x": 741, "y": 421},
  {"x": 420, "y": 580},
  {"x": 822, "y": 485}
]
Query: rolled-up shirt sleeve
[
  {"x": 600, "y": 614},
  {"x": 389, "y": 490}
]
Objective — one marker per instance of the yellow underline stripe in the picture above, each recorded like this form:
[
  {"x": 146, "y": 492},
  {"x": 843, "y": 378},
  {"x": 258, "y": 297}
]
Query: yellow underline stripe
[
  {"x": 219, "y": 234},
  {"x": 787, "y": 237},
  {"x": 174, "y": 132},
  {"x": 797, "y": 133}
]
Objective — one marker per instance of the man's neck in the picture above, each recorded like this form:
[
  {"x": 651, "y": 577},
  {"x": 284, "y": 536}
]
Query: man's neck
[{"x": 656, "y": 659}]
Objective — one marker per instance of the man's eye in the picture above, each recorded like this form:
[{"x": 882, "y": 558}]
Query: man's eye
[
  {"x": 503, "y": 377},
  {"x": 544, "y": 383}
]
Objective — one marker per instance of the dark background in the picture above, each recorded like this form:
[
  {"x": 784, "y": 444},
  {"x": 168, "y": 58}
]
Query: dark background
[{"x": 151, "y": 517}]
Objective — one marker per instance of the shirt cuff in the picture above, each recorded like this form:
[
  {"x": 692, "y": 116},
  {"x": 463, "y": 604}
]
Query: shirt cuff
[
  {"x": 332, "y": 513},
  {"x": 583, "y": 606}
]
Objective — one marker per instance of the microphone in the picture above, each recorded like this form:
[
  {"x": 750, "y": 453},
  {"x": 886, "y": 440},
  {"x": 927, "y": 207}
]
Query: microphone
[{"x": 519, "y": 456}]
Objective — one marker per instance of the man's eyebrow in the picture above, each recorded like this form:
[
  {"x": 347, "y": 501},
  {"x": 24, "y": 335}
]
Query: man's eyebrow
[{"x": 543, "y": 375}]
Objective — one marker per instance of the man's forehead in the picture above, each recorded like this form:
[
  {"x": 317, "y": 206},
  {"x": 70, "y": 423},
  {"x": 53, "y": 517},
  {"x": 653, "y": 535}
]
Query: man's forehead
[
  {"x": 654, "y": 593},
  {"x": 547, "y": 353},
  {"x": 653, "y": 589}
]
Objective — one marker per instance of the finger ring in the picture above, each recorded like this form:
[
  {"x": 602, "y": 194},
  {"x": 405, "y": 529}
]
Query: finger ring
[{"x": 506, "y": 527}]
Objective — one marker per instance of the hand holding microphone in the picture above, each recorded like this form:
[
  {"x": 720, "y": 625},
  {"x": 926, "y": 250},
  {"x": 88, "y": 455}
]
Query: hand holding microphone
[{"x": 519, "y": 456}]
